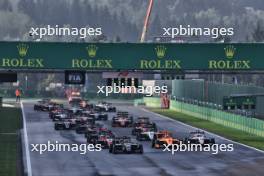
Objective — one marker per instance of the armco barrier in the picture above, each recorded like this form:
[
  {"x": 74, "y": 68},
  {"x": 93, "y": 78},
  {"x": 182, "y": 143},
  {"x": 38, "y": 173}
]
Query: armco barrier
[{"x": 249, "y": 125}]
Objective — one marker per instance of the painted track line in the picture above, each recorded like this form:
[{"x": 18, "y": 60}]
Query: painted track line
[
  {"x": 29, "y": 169},
  {"x": 221, "y": 137}
]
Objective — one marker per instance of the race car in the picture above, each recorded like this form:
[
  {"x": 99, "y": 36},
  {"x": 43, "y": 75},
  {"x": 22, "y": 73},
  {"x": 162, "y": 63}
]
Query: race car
[
  {"x": 41, "y": 105},
  {"x": 80, "y": 120},
  {"x": 66, "y": 124},
  {"x": 86, "y": 105},
  {"x": 55, "y": 112},
  {"x": 75, "y": 101},
  {"x": 74, "y": 97},
  {"x": 99, "y": 116},
  {"x": 88, "y": 128},
  {"x": 199, "y": 137},
  {"x": 75, "y": 110},
  {"x": 60, "y": 116},
  {"x": 104, "y": 107},
  {"x": 163, "y": 138},
  {"x": 82, "y": 128},
  {"x": 146, "y": 132},
  {"x": 140, "y": 123},
  {"x": 46, "y": 105},
  {"x": 125, "y": 145},
  {"x": 103, "y": 137},
  {"x": 91, "y": 134},
  {"x": 122, "y": 120}
]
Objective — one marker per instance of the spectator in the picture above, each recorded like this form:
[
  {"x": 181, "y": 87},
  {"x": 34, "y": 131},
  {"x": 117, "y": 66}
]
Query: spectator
[{"x": 18, "y": 95}]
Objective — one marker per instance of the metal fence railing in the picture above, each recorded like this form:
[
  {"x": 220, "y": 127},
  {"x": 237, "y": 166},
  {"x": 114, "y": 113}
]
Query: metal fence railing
[{"x": 243, "y": 123}]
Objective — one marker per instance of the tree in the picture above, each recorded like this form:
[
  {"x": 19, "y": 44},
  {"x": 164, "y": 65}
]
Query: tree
[
  {"x": 88, "y": 14},
  {"x": 155, "y": 28},
  {"x": 117, "y": 39},
  {"x": 77, "y": 15},
  {"x": 27, "y": 7},
  {"x": 258, "y": 34},
  {"x": 5, "y": 5}
]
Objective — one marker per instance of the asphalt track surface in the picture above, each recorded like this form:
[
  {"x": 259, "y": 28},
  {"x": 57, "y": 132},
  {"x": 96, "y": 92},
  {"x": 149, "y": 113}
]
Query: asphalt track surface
[{"x": 40, "y": 129}]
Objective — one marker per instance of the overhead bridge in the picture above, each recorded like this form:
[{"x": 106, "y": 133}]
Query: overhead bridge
[{"x": 47, "y": 56}]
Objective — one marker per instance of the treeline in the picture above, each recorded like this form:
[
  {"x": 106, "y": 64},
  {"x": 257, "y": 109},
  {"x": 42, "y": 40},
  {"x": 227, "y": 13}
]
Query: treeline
[
  {"x": 123, "y": 20},
  {"x": 245, "y": 16},
  {"x": 37, "y": 13}
]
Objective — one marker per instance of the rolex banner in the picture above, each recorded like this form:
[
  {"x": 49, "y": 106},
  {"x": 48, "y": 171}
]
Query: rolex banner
[{"x": 126, "y": 56}]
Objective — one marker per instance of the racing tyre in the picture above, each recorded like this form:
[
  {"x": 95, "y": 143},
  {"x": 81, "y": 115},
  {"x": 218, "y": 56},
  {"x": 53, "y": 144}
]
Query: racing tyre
[
  {"x": 153, "y": 144},
  {"x": 110, "y": 149},
  {"x": 114, "y": 151},
  {"x": 141, "y": 150}
]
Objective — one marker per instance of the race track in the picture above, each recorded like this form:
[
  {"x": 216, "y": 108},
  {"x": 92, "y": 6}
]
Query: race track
[{"x": 153, "y": 162}]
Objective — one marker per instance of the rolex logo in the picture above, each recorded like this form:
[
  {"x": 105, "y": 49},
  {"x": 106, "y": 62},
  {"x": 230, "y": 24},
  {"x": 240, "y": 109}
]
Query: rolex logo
[
  {"x": 161, "y": 51},
  {"x": 230, "y": 51},
  {"x": 22, "y": 49},
  {"x": 92, "y": 49}
]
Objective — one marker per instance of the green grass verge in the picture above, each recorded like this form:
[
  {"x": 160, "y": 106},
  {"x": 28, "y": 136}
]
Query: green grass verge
[
  {"x": 10, "y": 120},
  {"x": 10, "y": 123},
  {"x": 230, "y": 133}
]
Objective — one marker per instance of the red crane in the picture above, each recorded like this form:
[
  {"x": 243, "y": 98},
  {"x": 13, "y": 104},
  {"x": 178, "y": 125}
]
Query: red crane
[{"x": 146, "y": 23}]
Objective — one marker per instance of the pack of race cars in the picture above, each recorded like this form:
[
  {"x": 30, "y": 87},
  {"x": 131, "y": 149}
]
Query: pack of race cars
[{"x": 84, "y": 118}]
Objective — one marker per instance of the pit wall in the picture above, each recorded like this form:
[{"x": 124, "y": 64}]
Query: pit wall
[{"x": 246, "y": 124}]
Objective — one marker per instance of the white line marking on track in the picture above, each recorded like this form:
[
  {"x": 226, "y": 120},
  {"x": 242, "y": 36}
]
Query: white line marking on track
[
  {"x": 8, "y": 105},
  {"x": 223, "y": 138},
  {"x": 29, "y": 169}
]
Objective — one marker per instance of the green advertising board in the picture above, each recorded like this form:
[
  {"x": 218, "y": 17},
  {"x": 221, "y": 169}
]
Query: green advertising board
[
  {"x": 128, "y": 56},
  {"x": 239, "y": 101}
]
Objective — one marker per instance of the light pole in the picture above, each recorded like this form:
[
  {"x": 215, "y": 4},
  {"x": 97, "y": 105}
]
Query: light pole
[{"x": 26, "y": 79}]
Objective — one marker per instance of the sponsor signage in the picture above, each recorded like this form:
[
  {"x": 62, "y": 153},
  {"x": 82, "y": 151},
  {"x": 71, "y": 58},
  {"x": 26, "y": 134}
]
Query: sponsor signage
[
  {"x": 230, "y": 62},
  {"x": 239, "y": 101},
  {"x": 130, "y": 56},
  {"x": 74, "y": 77}
]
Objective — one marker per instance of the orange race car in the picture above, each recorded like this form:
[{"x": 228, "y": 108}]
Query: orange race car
[{"x": 162, "y": 138}]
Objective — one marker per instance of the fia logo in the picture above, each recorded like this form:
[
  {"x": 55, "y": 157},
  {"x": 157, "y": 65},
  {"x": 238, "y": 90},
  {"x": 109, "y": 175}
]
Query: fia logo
[{"x": 75, "y": 78}]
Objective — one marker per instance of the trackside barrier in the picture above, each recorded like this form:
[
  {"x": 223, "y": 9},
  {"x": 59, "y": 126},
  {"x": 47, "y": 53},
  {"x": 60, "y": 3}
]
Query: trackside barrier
[
  {"x": 138, "y": 102},
  {"x": 152, "y": 102},
  {"x": 249, "y": 125}
]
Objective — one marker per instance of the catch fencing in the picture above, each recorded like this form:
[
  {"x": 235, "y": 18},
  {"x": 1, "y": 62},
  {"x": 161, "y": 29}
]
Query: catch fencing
[
  {"x": 212, "y": 92},
  {"x": 249, "y": 125}
]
